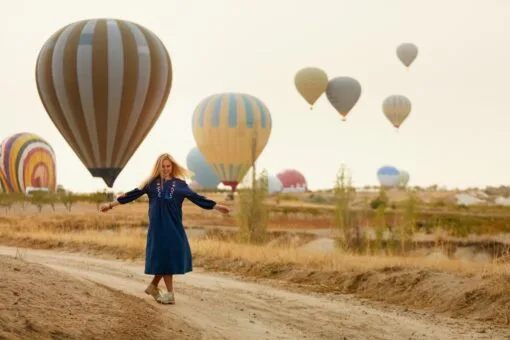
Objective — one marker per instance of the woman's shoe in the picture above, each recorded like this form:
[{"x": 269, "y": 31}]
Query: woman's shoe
[
  {"x": 166, "y": 298},
  {"x": 153, "y": 291}
]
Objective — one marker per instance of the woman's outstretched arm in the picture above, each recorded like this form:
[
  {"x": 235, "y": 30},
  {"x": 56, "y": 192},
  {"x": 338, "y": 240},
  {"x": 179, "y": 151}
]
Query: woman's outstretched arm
[
  {"x": 125, "y": 198},
  {"x": 201, "y": 201}
]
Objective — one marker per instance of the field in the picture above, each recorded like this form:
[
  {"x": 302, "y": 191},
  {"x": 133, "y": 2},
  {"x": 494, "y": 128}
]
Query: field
[{"x": 456, "y": 263}]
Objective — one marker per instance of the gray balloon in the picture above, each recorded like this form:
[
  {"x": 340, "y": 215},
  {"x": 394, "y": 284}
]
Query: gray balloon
[
  {"x": 407, "y": 52},
  {"x": 343, "y": 93}
]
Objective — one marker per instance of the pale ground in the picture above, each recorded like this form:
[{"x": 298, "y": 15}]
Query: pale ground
[{"x": 213, "y": 306}]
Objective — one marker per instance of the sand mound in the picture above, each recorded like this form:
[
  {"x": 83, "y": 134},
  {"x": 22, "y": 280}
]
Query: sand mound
[
  {"x": 40, "y": 303},
  {"x": 483, "y": 297}
]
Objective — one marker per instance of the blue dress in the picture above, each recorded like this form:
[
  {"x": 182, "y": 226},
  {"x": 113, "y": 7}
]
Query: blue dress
[{"x": 167, "y": 251}]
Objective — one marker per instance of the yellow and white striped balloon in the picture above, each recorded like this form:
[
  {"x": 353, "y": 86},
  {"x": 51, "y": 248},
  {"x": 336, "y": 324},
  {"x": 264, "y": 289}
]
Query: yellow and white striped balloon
[
  {"x": 231, "y": 130},
  {"x": 104, "y": 83},
  {"x": 396, "y": 108}
]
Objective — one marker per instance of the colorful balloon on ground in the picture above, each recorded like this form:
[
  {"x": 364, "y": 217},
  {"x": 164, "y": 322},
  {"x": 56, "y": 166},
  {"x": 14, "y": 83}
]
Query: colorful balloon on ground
[
  {"x": 343, "y": 93},
  {"x": 292, "y": 181},
  {"x": 311, "y": 83},
  {"x": 203, "y": 172},
  {"x": 27, "y": 160},
  {"x": 231, "y": 130},
  {"x": 388, "y": 176},
  {"x": 403, "y": 178},
  {"x": 407, "y": 53},
  {"x": 4, "y": 187},
  {"x": 274, "y": 184},
  {"x": 396, "y": 108},
  {"x": 104, "y": 83}
]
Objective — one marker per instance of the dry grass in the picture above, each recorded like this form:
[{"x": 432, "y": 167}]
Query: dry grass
[{"x": 467, "y": 289}]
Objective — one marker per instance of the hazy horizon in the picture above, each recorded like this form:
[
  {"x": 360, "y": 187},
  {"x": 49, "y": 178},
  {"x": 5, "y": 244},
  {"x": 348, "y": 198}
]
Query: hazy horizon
[{"x": 456, "y": 84}]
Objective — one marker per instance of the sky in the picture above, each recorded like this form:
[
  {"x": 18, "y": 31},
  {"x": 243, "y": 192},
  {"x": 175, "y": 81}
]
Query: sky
[{"x": 455, "y": 136}]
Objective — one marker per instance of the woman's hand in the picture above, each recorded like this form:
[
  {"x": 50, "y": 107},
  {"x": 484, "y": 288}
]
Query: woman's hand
[
  {"x": 105, "y": 207},
  {"x": 222, "y": 208}
]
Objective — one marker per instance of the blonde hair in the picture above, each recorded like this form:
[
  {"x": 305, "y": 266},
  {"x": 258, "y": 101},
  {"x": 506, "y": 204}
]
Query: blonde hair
[{"x": 178, "y": 171}]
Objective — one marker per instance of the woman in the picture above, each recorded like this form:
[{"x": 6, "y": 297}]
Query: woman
[{"x": 167, "y": 252}]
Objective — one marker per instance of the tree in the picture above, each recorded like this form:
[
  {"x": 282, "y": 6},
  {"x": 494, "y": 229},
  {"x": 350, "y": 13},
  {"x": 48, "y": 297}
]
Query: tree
[
  {"x": 252, "y": 213},
  {"x": 348, "y": 233},
  {"x": 40, "y": 199},
  {"x": 68, "y": 198}
]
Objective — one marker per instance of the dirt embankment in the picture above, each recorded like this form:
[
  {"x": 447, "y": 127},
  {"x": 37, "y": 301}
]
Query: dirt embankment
[{"x": 37, "y": 302}]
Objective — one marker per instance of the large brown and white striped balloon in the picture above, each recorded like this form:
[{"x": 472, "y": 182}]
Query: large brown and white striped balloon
[{"x": 104, "y": 83}]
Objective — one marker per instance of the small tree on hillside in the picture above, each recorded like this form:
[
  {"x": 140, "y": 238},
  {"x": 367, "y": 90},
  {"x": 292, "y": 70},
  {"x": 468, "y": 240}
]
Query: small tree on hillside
[
  {"x": 348, "y": 233},
  {"x": 99, "y": 197},
  {"x": 68, "y": 198},
  {"x": 40, "y": 199},
  {"x": 252, "y": 213}
]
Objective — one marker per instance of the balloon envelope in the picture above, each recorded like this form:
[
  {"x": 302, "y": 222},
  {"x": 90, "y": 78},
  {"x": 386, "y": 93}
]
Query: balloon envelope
[
  {"x": 388, "y": 176},
  {"x": 274, "y": 184},
  {"x": 104, "y": 83},
  {"x": 231, "y": 130},
  {"x": 396, "y": 108},
  {"x": 343, "y": 93},
  {"x": 403, "y": 178},
  {"x": 311, "y": 83},
  {"x": 292, "y": 180},
  {"x": 27, "y": 160},
  {"x": 4, "y": 187},
  {"x": 407, "y": 53},
  {"x": 204, "y": 173}
]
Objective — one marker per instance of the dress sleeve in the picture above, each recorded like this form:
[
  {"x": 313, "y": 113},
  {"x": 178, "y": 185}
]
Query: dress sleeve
[
  {"x": 197, "y": 199},
  {"x": 132, "y": 195}
]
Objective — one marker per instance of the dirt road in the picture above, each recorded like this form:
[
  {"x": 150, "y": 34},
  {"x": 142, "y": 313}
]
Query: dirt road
[{"x": 221, "y": 307}]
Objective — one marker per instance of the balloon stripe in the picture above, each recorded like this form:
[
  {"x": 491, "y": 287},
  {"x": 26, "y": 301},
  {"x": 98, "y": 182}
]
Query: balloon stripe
[
  {"x": 58, "y": 75},
  {"x": 262, "y": 113},
  {"x": 137, "y": 70},
  {"x": 100, "y": 78},
  {"x": 48, "y": 95},
  {"x": 201, "y": 116},
  {"x": 248, "y": 109},
  {"x": 215, "y": 117},
  {"x": 71, "y": 85},
  {"x": 157, "y": 93},
  {"x": 232, "y": 111},
  {"x": 85, "y": 86},
  {"x": 115, "y": 84}
]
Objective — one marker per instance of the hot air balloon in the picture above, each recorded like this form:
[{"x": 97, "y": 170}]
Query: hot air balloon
[
  {"x": 343, "y": 93},
  {"x": 388, "y": 176},
  {"x": 194, "y": 185},
  {"x": 27, "y": 160},
  {"x": 292, "y": 180},
  {"x": 311, "y": 83},
  {"x": 403, "y": 178},
  {"x": 407, "y": 52},
  {"x": 104, "y": 83},
  {"x": 274, "y": 184},
  {"x": 4, "y": 186},
  {"x": 231, "y": 130},
  {"x": 396, "y": 108},
  {"x": 203, "y": 172}
]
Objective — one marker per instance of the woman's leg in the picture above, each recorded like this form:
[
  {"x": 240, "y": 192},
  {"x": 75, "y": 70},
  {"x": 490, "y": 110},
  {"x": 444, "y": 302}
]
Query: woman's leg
[
  {"x": 156, "y": 279},
  {"x": 169, "y": 282}
]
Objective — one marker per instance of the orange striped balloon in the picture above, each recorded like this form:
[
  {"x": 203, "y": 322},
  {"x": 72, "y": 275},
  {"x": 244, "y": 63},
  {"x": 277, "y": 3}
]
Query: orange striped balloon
[
  {"x": 104, "y": 83},
  {"x": 4, "y": 187},
  {"x": 27, "y": 160}
]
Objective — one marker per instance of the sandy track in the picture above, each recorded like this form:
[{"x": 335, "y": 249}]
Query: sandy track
[{"x": 226, "y": 308}]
